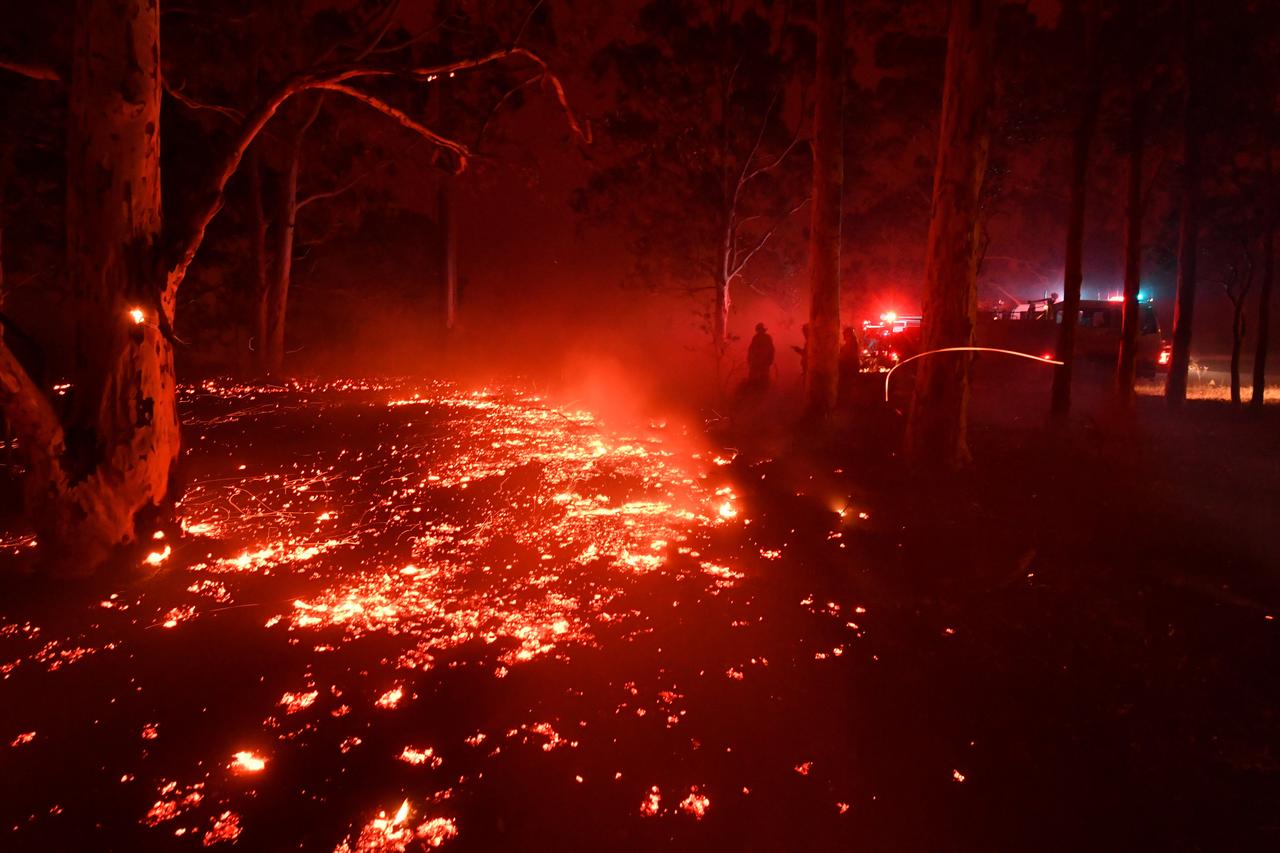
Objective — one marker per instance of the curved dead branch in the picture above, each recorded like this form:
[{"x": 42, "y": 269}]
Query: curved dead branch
[
  {"x": 33, "y": 72},
  {"x": 461, "y": 151},
  {"x": 188, "y": 242}
]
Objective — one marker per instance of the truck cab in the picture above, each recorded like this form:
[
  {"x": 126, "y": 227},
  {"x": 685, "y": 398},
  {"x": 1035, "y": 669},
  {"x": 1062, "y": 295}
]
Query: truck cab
[{"x": 1032, "y": 326}]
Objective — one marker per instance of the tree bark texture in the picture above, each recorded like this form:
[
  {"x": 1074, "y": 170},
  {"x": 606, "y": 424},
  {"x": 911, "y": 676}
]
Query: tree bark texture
[
  {"x": 1268, "y": 280},
  {"x": 447, "y": 210},
  {"x": 937, "y": 430},
  {"x": 286, "y": 233},
  {"x": 1237, "y": 343},
  {"x": 1175, "y": 389},
  {"x": 823, "y": 357},
  {"x": 261, "y": 264},
  {"x": 1130, "y": 322},
  {"x": 122, "y": 430},
  {"x": 1073, "y": 268}
]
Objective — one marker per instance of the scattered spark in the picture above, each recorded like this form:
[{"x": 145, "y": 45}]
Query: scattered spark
[
  {"x": 174, "y": 800},
  {"x": 394, "y": 834},
  {"x": 226, "y": 827},
  {"x": 410, "y": 755},
  {"x": 295, "y": 702},
  {"x": 178, "y": 614},
  {"x": 957, "y": 775},
  {"x": 695, "y": 804},
  {"x": 651, "y": 803},
  {"x": 359, "y": 534}
]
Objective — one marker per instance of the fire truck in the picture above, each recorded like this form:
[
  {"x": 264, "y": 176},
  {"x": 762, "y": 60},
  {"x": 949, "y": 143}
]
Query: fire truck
[
  {"x": 1031, "y": 327},
  {"x": 894, "y": 338}
]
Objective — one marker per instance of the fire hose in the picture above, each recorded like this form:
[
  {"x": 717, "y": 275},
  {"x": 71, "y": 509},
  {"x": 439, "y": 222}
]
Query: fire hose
[{"x": 1027, "y": 355}]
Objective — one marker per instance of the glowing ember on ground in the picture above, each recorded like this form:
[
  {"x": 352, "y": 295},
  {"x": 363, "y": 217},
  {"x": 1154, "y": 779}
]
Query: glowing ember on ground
[
  {"x": 176, "y": 615},
  {"x": 409, "y": 755},
  {"x": 226, "y": 827},
  {"x": 651, "y": 803},
  {"x": 391, "y": 698},
  {"x": 295, "y": 702},
  {"x": 695, "y": 804},
  {"x": 174, "y": 800},
  {"x": 477, "y": 533},
  {"x": 395, "y": 834}
]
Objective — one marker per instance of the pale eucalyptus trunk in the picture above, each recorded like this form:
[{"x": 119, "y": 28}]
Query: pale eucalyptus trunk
[{"x": 937, "y": 433}]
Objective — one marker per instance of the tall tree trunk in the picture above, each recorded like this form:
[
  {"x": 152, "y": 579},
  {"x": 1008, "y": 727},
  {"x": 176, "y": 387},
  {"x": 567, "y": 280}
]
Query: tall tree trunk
[
  {"x": 720, "y": 320},
  {"x": 936, "y": 431},
  {"x": 1237, "y": 341},
  {"x": 1130, "y": 323},
  {"x": 278, "y": 301},
  {"x": 1175, "y": 389},
  {"x": 446, "y": 204},
  {"x": 1073, "y": 269},
  {"x": 287, "y": 223},
  {"x": 122, "y": 432},
  {"x": 447, "y": 209},
  {"x": 1268, "y": 278},
  {"x": 261, "y": 264},
  {"x": 822, "y": 379}
]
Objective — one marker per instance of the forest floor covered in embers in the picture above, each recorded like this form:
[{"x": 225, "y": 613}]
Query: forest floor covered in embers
[{"x": 396, "y": 615}]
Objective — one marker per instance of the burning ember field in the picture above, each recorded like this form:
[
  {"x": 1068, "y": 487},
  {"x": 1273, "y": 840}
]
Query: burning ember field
[{"x": 400, "y": 617}]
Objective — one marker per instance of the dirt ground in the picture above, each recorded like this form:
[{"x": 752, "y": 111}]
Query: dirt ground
[{"x": 1071, "y": 647}]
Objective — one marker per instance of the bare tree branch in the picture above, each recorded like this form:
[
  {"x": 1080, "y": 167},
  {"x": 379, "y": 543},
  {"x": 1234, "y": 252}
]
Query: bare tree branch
[
  {"x": 409, "y": 42},
  {"x": 392, "y": 8},
  {"x": 765, "y": 238},
  {"x": 189, "y": 239},
  {"x": 498, "y": 106},
  {"x": 755, "y": 148},
  {"x": 777, "y": 161},
  {"x": 34, "y": 72},
  {"x": 192, "y": 104},
  {"x": 461, "y": 151},
  {"x": 525, "y": 25},
  {"x": 330, "y": 193}
]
